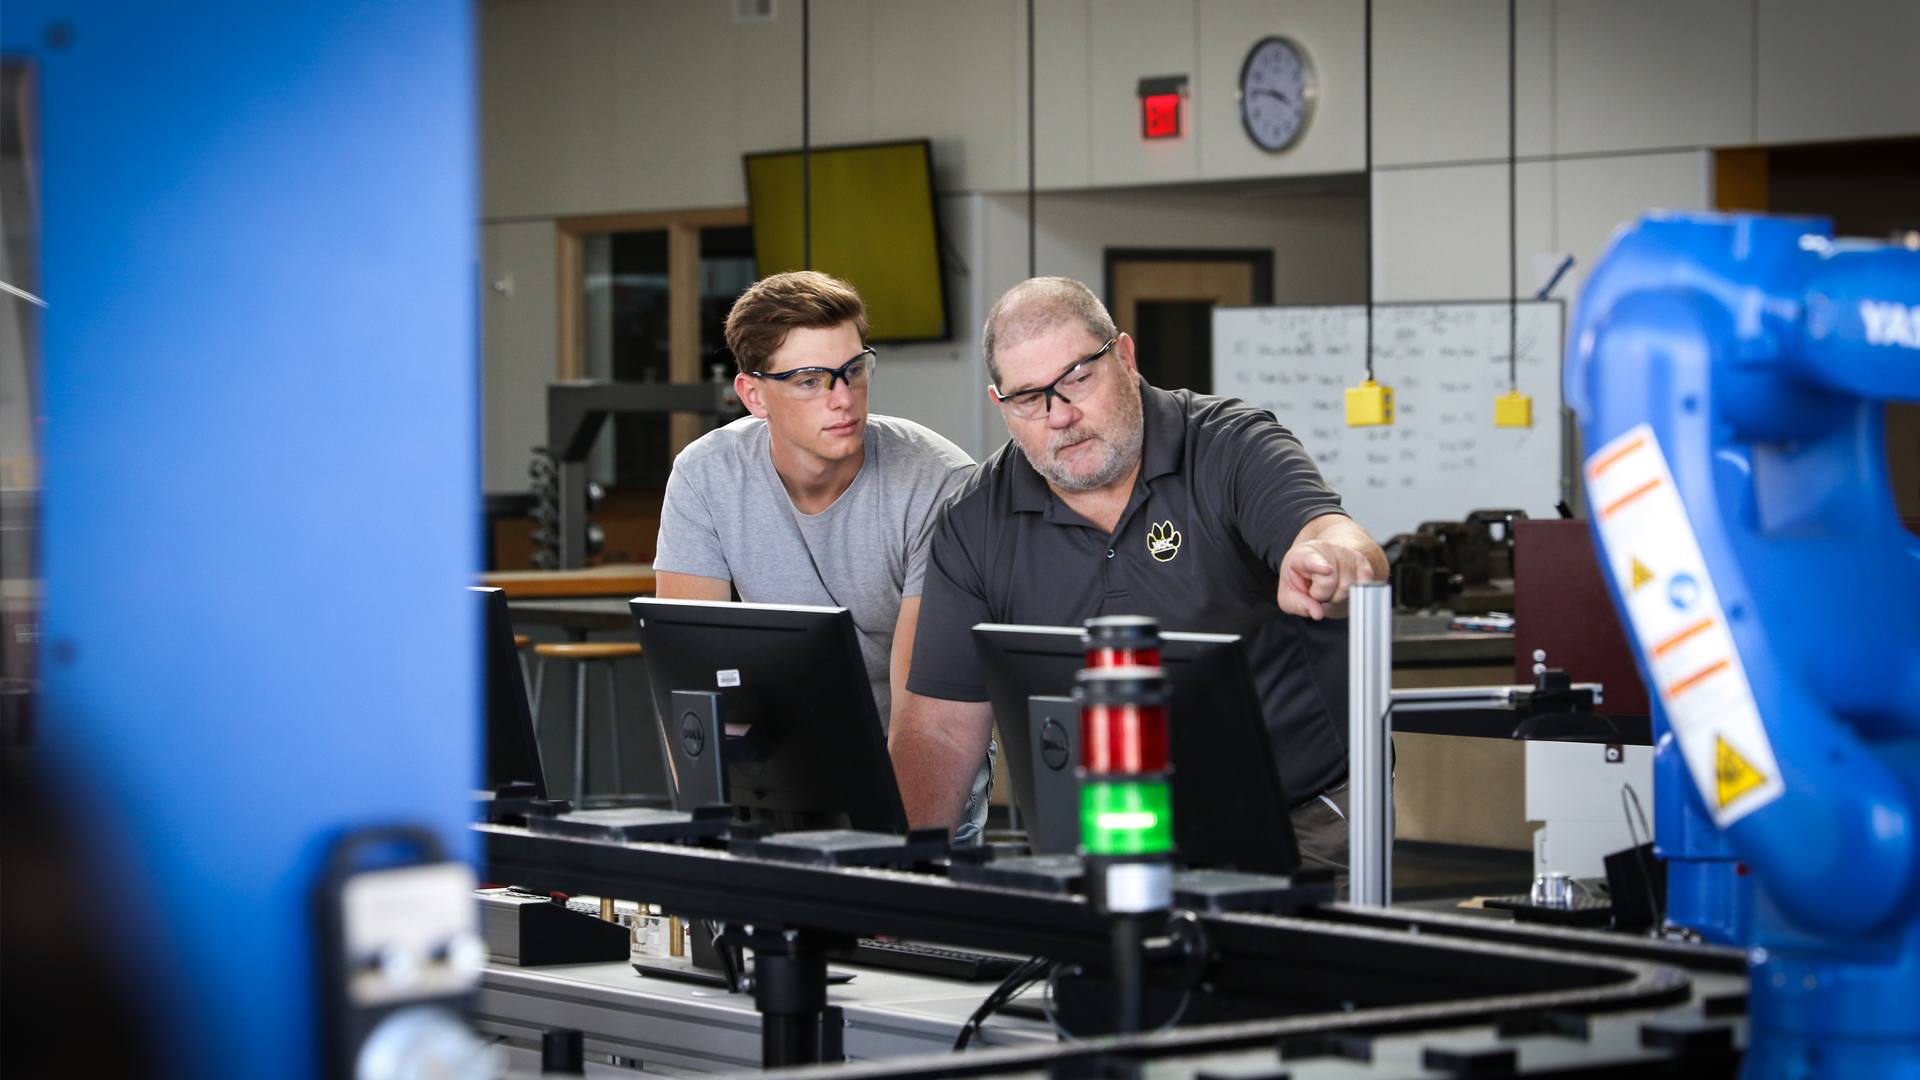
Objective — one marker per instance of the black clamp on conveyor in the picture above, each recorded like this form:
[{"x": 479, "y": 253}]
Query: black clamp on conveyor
[{"x": 1266, "y": 951}]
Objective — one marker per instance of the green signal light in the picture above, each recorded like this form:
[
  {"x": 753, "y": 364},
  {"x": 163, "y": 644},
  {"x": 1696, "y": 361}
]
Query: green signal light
[{"x": 1132, "y": 817}]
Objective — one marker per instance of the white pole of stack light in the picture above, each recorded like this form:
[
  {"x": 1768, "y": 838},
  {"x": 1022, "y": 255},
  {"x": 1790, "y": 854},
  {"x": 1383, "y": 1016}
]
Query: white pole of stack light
[{"x": 1370, "y": 743}]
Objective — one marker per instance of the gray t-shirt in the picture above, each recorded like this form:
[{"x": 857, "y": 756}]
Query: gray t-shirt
[{"x": 728, "y": 516}]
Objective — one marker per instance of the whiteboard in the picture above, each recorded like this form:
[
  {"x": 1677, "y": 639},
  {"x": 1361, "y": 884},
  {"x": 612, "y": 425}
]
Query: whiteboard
[{"x": 1442, "y": 458}]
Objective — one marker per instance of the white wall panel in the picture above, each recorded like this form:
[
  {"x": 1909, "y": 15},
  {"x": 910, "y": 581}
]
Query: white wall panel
[
  {"x": 844, "y": 63},
  {"x": 1838, "y": 71},
  {"x": 1330, "y": 32},
  {"x": 1440, "y": 80},
  {"x": 1535, "y": 63},
  {"x": 1538, "y": 235},
  {"x": 1132, "y": 40},
  {"x": 1063, "y": 42},
  {"x": 1647, "y": 74},
  {"x": 1319, "y": 241},
  {"x": 1440, "y": 233},
  {"x": 955, "y": 70},
  {"x": 546, "y": 96},
  {"x": 760, "y": 81},
  {"x": 1595, "y": 196},
  {"x": 517, "y": 347},
  {"x": 662, "y": 49}
]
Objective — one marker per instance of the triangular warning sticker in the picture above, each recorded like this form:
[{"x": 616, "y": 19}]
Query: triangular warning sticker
[
  {"x": 1733, "y": 777},
  {"x": 1641, "y": 575}
]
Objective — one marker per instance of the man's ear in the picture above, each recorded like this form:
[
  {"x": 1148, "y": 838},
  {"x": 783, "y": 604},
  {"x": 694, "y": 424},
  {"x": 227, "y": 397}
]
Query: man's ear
[
  {"x": 748, "y": 388},
  {"x": 1123, "y": 348}
]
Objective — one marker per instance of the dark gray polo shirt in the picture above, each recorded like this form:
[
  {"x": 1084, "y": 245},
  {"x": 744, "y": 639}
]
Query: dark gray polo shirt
[{"x": 1223, "y": 492}]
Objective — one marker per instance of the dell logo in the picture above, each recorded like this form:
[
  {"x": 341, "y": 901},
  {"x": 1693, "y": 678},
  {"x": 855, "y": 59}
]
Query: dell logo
[
  {"x": 1053, "y": 744},
  {"x": 693, "y": 734}
]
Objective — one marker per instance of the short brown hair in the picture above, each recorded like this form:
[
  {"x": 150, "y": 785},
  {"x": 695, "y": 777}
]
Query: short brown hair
[{"x": 758, "y": 324}]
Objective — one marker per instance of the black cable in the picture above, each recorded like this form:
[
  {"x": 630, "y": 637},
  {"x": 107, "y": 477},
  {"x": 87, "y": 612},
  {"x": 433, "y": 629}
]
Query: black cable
[
  {"x": 806, "y": 134},
  {"x": 1513, "y": 202},
  {"x": 1033, "y": 242},
  {"x": 1029, "y": 972},
  {"x": 1654, "y": 903},
  {"x": 1367, "y": 99}
]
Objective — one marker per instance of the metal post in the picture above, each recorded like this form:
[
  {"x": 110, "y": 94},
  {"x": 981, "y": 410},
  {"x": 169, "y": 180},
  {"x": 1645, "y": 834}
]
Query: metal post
[
  {"x": 613, "y": 728},
  {"x": 580, "y": 733},
  {"x": 1129, "y": 981},
  {"x": 570, "y": 477},
  {"x": 1369, "y": 743}
]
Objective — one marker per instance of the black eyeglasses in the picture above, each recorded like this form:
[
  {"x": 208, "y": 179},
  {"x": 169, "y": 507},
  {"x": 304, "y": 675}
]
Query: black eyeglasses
[
  {"x": 807, "y": 383},
  {"x": 1038, "y": 402}
]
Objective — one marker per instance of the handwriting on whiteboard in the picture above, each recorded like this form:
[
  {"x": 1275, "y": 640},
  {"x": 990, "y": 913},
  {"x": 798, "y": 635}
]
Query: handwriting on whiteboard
[{"x": 1446, "y": 363}]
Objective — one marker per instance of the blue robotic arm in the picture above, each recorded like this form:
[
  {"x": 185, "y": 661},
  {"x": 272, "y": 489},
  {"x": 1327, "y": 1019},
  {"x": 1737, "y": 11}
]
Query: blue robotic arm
[{"x": 1729, "y": 374}]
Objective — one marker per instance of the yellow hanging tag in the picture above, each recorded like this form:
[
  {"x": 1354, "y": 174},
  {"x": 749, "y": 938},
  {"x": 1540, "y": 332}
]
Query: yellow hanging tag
[
  {"x": 1369, "y": 404},
  {"x": 1510, "y": 409}
]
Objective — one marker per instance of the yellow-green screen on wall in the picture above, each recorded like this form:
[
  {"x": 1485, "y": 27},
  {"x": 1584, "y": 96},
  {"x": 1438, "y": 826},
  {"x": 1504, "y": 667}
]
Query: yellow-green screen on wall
[{"x": 873, "y": 225}]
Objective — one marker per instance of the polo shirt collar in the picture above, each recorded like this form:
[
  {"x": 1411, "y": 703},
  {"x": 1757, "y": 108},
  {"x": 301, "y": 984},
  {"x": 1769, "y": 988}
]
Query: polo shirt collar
[
  {"x": 1166, "y": 437},
  {"x": 1161, "y": 450}
]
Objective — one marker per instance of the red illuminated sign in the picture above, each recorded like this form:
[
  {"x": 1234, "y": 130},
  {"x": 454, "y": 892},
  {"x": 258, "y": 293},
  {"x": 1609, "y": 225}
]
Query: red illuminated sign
[
  {"x": 1160, "y": 106},
  {"x": 1160, "y": 116}
]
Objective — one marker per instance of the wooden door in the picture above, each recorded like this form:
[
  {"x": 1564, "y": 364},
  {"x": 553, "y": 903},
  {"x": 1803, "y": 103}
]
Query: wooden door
[{"x": 1164, "y": 300}]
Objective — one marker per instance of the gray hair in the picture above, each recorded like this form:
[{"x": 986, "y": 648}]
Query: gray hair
[{"x": 1036, "y": 306}]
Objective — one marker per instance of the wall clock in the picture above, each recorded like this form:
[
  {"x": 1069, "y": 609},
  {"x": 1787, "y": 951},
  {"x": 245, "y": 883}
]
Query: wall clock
[{"x": 1276, "y": 93}]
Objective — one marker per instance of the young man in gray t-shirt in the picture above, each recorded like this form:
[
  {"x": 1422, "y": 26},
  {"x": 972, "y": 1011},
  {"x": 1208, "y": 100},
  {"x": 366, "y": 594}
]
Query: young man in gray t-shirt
[{"x": 810, "y": 500}]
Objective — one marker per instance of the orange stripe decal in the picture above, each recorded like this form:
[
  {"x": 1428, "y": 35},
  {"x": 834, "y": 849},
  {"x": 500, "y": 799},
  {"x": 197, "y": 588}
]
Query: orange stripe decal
[
  {"x": 1630, "y": 496},
  {"x": 1602, "y": 465},
  {"x": 1674, "y": 690},
  {"x": 1662, "y": 648}
]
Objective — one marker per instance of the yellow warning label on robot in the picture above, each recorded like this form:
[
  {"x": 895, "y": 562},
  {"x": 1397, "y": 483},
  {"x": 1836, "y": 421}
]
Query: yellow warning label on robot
[
  {"x": 1641, "y": 575},
  {"x": 1734, "y": 776},
  {"x": 1680, "y": 626}
]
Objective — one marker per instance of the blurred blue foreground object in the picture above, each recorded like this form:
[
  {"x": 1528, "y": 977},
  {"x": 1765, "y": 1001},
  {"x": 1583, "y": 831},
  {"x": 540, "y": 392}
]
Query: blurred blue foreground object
[
  {"x": 260, "y": 392},
  {"x": 1729, "y": 373}
]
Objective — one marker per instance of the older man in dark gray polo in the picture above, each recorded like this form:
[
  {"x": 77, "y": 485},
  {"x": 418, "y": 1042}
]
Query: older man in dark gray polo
[{"x": 1115, "y": 497}]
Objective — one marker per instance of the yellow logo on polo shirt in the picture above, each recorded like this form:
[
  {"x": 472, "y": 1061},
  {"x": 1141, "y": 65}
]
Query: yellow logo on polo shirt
[{"x": 1163, "y": 541}]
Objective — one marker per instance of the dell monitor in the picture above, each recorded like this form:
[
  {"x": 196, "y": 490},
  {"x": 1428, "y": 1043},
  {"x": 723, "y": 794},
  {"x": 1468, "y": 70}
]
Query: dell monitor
[
  {"x": 781, "y": 692},
  {"x": 513, "y": 752},
  {"x": 1229, "y": 807}
]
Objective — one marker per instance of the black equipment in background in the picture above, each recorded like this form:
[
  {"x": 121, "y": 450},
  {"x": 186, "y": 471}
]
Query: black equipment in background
[
  {"x": 1229, "y": 806},
  {"x": 527, "y": 930},
  {"x": 798, "y": 725},
  {"x": 1637, "y": 885},
  {"x": 513, "y": 752},
  {"x": 1464, "y": 566}
]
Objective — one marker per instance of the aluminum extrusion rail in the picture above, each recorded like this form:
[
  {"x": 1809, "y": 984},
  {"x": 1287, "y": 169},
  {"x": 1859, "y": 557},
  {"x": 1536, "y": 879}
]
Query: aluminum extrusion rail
[{"x": 1309, "y": 963}]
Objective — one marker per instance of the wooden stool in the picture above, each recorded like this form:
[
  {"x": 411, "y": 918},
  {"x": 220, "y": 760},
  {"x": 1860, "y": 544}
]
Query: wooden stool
[{"x": 584, "y": 653}]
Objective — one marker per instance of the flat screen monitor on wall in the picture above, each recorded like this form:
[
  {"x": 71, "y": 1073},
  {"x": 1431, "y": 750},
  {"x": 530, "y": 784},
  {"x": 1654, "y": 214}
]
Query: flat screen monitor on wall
[{"x": 873, "y": 225}]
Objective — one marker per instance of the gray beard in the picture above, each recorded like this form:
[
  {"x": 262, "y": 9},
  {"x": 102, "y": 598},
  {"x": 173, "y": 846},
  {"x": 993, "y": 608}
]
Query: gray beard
[{"x": 1123, "y": 451}]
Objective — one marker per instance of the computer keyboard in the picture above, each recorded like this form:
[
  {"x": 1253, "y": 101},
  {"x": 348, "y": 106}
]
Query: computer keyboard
[{"x": 936, "y": 960}]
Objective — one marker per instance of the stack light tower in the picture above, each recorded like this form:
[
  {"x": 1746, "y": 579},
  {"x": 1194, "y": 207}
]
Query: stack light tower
[{"x": 1126, "y": 798}]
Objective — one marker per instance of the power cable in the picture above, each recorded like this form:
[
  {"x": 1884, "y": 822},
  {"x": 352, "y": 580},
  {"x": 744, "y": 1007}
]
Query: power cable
[
  {"x": 1513, "y": 201},
  {"x": 806, "y": 134},
  {"x": 1367, "y": 102},
  {"x": 1029, "y": 972},
  {"x": 1033, "y": 243}
]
